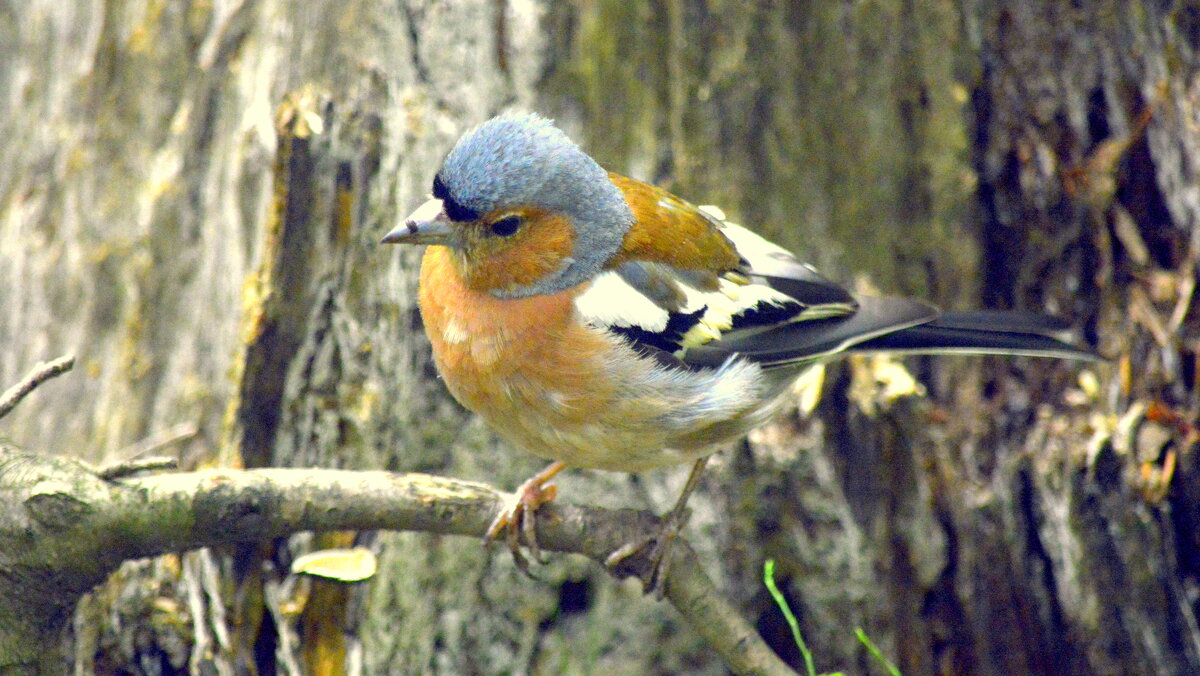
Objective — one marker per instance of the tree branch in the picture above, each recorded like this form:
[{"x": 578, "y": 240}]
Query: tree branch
[
  {"x": 83, "y": 526},
  {"x": 38, "y": 375}
]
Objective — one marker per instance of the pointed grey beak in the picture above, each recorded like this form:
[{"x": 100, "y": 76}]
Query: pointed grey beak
[{"x": 427, "y": 225}]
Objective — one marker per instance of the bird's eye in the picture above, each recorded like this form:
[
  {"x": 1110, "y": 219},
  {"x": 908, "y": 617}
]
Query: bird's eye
[{"x": 506, "y": 226}]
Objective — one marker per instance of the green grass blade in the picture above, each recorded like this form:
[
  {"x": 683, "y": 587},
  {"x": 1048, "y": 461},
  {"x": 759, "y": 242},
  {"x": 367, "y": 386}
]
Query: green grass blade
[
  {"x": 769, "y": 580},
  {"x": 871, "y": 648}
]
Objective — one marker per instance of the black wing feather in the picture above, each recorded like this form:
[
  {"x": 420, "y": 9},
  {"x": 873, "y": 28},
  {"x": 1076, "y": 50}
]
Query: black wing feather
[{"x": 806, "y": 341}]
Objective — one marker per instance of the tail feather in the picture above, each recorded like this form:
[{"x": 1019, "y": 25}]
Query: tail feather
[
  {"x": 896, "y": 325},
  {"x": 936, "y": 340},
  {"x": 983, "y": 332}
]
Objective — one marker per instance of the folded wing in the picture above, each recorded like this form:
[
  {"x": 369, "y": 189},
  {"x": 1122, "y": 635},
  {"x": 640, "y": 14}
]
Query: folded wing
[{"x": 776, "y": 311}]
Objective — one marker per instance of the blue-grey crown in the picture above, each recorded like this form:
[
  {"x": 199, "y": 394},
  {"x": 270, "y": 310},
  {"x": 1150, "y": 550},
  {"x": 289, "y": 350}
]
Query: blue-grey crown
[{"x": 524, "y": 160}]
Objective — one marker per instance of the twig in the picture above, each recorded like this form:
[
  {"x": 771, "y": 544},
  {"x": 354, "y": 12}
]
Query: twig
[
  {"x": 127, "y": 468},
  {"x": 135, "y": 460},
  {"x": 40, "y": 374},
  {"x": 157, "y": 442}
]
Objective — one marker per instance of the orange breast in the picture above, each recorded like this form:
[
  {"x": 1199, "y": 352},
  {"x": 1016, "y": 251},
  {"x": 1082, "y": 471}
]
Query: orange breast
[{"x": 524, "y": 364}]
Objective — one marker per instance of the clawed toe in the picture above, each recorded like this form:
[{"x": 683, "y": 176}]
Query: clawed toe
[
  {"x": 517, "y": 517},
  {"x": 648, "y": 558},
  {"x": 652, "y": 567}
]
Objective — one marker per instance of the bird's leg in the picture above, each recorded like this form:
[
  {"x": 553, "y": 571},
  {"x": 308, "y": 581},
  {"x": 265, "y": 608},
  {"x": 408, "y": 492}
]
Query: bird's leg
[
  {"x": 659, "y": 555},
  {"x": 518, "y": 515}
]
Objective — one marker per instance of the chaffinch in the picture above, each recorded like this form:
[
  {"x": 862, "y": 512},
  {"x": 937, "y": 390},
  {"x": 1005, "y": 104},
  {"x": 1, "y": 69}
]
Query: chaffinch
[{"x": 601, "y": 322}]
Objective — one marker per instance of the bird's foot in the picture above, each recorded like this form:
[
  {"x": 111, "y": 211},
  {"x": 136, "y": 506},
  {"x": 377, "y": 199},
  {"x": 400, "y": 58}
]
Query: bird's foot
[
  {"x": 654, "y": 562},
  {"x": 517, "y": 517},
  {"x": 649, "y": 558}
]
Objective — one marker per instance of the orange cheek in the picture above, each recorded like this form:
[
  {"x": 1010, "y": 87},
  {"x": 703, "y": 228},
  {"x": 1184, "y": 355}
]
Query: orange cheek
[{"x": 537, "y": 250}]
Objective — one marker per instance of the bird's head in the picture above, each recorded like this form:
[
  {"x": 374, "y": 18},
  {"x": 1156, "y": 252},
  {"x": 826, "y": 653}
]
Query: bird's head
[{"x": 522, "y": 208}]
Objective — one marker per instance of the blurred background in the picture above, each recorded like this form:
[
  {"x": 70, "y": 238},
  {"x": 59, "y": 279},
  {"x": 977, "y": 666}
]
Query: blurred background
[{"x": 191, "y": 198}]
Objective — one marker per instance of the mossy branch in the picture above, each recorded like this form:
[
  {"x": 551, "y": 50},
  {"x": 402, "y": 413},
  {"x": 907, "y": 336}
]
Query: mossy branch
[{"x": 63, "y": 528}]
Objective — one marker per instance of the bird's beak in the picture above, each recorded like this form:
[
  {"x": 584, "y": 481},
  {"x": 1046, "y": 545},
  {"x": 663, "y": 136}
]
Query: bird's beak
[{"x": 427, "y": 225}]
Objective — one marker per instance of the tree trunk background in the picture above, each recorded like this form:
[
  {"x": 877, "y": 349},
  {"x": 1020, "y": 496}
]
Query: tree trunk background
[{"x": 191, "y": 202}]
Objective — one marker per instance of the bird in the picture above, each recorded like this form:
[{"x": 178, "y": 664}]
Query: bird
[{"x": 602, "y": 322}]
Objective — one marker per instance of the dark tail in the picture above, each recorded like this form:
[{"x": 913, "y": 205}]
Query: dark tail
[
  {"x": 983, "y": 332},
  {"x": 896, "y": 325}
]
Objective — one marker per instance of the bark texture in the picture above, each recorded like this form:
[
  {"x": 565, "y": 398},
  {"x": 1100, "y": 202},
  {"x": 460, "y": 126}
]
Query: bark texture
[{"x": 191, "y": 201}]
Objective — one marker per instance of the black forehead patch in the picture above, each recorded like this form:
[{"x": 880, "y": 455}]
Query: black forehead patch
[
  {"x": 455, "y": 210},
  {"x": 439, "y": 188}
]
